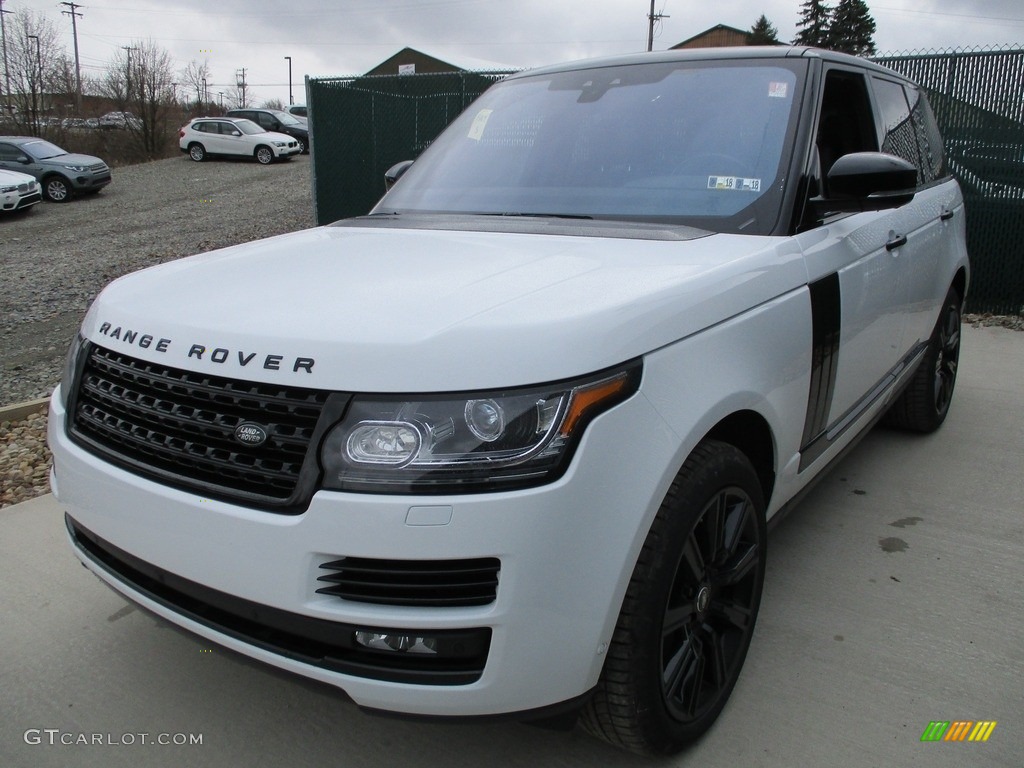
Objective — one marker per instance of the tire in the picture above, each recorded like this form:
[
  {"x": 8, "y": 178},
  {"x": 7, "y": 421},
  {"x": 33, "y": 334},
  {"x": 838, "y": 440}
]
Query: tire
[
  {"x": 264, "y": 155},
  {"x": 197, "y": 152},
  {"x": 923, "y": 405},
  {"x": 56, "y": 189},
  {"x": 303, "y": 147},
  {"x": 689, "y": 610}
]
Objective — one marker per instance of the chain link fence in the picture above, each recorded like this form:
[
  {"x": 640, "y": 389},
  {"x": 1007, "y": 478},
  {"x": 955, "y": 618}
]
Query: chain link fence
[
  {"x": 362, "y": 126},
  {"x": 978, "y": 99}
]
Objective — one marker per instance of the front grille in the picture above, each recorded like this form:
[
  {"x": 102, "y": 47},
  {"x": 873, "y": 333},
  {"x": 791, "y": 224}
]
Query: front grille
[
  {"x": 419, "y": 583},
  {"x": 96, "y": 167},
  {"x": 179, "y": 427}
]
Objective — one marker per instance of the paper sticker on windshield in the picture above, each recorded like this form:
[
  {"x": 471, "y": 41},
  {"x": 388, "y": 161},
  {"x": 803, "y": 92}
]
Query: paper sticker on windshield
[
  {"x": 734, "y": 182},
  {"x": 778, "y": 90},
  {"x": 476, "y": 130}
]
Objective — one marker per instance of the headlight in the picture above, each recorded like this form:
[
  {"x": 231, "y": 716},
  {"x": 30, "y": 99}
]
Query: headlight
[
  {"x": 5, "y": 190},
  {"x": 70, "y": 372},
  {"x": 476, "y": 442},
  {"x": 75, "y": 168},
  {"x": 280, "y": 144}
]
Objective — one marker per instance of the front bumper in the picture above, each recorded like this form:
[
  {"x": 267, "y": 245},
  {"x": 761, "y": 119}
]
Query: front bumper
[{"x": 566, "y": 552}]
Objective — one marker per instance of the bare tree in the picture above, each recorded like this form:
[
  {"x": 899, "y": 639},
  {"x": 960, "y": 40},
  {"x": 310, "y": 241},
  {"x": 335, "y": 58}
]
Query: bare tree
[
  {"x": 238, "y": 98},
  {"x": 36, "y": 61},
  {"x": 139, "y": 81},
  {"x": 273, "y": 104},
  {"x": 194, "y": 77}
]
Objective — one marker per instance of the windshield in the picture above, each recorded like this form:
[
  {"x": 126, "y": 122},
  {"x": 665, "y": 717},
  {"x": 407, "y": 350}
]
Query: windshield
[
  {"x": 42, "y": 150},
  {"x": 285, "y": 119},
  {"x": 698, "y": 143},
  {"x": 249, "y": 127}
]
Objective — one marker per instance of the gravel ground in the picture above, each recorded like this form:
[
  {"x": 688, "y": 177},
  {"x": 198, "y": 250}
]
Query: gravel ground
[{"x": 56, "y": 258}]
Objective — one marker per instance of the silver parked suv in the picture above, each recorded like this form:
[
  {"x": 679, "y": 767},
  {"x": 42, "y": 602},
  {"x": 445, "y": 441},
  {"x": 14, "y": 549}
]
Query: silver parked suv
[{"x": 62, "y": 174}]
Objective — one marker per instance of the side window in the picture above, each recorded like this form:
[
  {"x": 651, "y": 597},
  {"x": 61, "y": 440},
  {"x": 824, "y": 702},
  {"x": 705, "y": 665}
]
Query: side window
[
  {"x": 267, "y": 121},
  {"x": 933, "y": 161},
  {"x": 899, "y": 134},
  {"x": 10, "y": 152},
  {"x": 846, "y": 123}
]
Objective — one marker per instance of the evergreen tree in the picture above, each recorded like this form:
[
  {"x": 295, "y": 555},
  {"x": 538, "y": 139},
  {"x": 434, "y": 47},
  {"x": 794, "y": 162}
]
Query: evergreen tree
[
  {"x": 852, "y": 29},
  {"x": 814, "y": 24},
  {"x": 763, "y": 33}
]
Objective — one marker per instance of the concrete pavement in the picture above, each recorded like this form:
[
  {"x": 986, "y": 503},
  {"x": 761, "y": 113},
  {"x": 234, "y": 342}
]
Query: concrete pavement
[{"x": 894, "y": 597}]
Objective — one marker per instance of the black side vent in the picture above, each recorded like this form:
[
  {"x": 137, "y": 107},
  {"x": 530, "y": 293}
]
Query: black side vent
[{"x": 419, "y": 583}]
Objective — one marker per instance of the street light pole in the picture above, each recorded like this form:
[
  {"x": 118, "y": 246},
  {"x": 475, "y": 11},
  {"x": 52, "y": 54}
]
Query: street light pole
[{"x": 290, "y": 99}]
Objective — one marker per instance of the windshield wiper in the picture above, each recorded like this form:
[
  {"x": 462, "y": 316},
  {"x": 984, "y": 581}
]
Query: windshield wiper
[{"x": 542, "y": 215}]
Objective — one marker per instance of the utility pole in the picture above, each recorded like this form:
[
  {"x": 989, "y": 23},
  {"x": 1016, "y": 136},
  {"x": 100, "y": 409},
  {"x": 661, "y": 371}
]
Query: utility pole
[
  {"x": 128, "y": 77},
  {"x": 73, "y": 13},
  {"x": 39, "y": 79},
  {"x": 242, "y": 85},
  {"x": 653, "y": 19},
  {"x": 3, "y": 37}
]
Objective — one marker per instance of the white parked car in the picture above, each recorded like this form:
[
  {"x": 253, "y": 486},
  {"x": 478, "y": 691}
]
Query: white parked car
[
  {"x": 18, "y": 191},
  {"x": 206, "y": 136},
  {"x": 509, "y": 444}
]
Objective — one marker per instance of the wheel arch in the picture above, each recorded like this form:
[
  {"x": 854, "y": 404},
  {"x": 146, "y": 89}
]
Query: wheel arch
[
  {"x": 749, "y": 432},
  {"x": 959, "y": 284}
]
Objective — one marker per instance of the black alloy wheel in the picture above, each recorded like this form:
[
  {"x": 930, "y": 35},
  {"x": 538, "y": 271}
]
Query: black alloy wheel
[
  {"x": 924, "y": 404},
  {"x": 689, "y": 611}
]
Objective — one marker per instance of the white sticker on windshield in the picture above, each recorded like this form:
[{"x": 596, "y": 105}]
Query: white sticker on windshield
[
  {"x": 778, "y": 90},
  {"x": 734, "y": 182},
  {"x": 476, "y": 130}
]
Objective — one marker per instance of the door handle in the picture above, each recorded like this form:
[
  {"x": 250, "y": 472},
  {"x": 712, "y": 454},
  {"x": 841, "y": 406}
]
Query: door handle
[
  {"x": 945, "y": 216},
  {"x": 896, "y": 242}
]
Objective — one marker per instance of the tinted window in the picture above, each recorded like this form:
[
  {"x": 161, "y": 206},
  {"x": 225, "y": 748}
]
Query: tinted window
[
  {"x": 899, "y": 136},
  {"x": 10, "y": 152},
  {"x": 847, "y": 123},
  {"x": 698, "y": 143},
  {"x": 933, "y": 162}
]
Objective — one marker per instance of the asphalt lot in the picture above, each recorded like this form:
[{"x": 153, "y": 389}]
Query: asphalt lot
[{"x": 893, "y": 599}]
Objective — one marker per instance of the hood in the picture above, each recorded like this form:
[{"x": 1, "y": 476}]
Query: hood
[
  {"x": 72, "y": 158},
  {"x": 401, "y": 310},
  {"x": 14, "y": 177}
]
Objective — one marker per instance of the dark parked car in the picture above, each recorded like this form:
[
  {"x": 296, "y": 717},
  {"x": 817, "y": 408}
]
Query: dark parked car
[
  {"x": 277, "y": 120},
  {"x": 61, "y": 173}
]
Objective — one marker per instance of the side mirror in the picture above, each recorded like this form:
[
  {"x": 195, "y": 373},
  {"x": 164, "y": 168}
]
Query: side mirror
[
  {"x": 395, "y": 172},
  {"x": 867, "y": 181},
  {"x": 25, "y": 160},
  {"x": 236, "y": 133}
]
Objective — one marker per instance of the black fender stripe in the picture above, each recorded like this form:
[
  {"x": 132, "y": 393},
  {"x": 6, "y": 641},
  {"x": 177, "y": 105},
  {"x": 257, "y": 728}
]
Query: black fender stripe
[{"x": 826, "y": 321}]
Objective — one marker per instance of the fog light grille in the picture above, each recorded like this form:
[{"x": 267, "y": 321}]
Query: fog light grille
[{"x": 418, "y": 583}]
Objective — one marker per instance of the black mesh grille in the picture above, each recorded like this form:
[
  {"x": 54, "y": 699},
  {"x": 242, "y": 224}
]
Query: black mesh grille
[
  {"x": 179, "y": 426},
  {"x": 445, "y": 583}
]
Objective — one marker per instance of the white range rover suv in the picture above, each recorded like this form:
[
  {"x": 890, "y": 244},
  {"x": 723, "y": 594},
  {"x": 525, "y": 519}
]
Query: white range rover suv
[{"x": 508, "y": 445}]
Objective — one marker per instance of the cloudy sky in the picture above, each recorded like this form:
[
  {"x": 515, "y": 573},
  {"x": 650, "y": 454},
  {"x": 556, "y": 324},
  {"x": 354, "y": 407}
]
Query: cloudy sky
[{"x": 343, "y": 37}]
